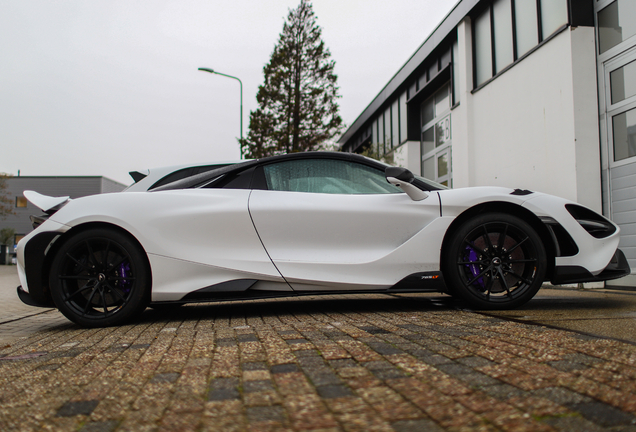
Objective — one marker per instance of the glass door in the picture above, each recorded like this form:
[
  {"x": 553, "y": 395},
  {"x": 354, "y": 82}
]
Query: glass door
[
  {"x": 620, "y": 147},
  {"x": 436, "y": 137}
]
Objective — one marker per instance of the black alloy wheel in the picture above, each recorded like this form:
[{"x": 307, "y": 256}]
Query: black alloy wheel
[
  {"x": 495, "y": 261},
  {"x": 99, "y": 278}
]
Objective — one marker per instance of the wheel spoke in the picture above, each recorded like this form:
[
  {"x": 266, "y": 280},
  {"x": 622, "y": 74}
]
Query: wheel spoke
[
  {"x": 487, "y": 238},
  {"x": 516, "y": 246},
  {"x": 90, "y": 299},
  {"x": 518, "y": 261},
  {"x": 105, "y": 258},
  {"x": 521, "y": 278},
  {"x": 81, "y": 290},
  {"x": 475, "y": 248},
  {"x": 502, "y": 277},
  {"x": 114, "y": 266},
  {"x": 478, "y": 276},
  {"x": 103, "y": 297},
  {"x": 114, "y": 291},
  {"x": 75, "y": 277},
  {"x": 91, "y": 254},
  {"x": 79, "y": 263},
  {"x": 502, "y": 238},
  {"x": 489, "y": 285}
]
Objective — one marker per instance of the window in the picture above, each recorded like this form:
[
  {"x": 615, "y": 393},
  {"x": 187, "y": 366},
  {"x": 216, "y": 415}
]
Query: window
[
  {"x": 395, "y": 125},
  {"x": 20, "y": 202},
  {"x": 329, "y": 176},
  {"x": 435, "y": 142},
  {"x": 616, "y": 23},
  {"x": 455, "y": 64},
  {"x": 374, "y": 133},
  {"x": 428, "y": 111},
  {"x": 623, "y": 82},
  {"x": 502, "y": 20},
  {"x": 526, "y": 25},
  {"x": 507, "y": 29},
  {"x": 428, "y": 141},
  {"x": 403, "y": 125},
  {"x": 553, "y": 15},
  {"x": 483, "y": 56},
  {"x": 624, "y": 132}
]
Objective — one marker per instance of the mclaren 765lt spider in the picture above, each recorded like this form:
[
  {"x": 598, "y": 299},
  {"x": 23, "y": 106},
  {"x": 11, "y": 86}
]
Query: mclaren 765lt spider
[{"x": 305, "y": 223}]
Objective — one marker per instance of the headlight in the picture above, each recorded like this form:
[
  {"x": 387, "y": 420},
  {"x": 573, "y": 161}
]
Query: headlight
[{"x": 595, "y": 224}]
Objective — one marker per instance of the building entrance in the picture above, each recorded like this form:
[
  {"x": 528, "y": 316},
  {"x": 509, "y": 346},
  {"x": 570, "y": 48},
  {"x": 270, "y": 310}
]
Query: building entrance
[
  {"x": 436, "y": 137},
  {"x": 616, "y": 44}
]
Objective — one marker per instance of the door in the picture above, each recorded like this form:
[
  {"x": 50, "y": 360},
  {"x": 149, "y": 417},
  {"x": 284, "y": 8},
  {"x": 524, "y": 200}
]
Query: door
[
  {"x": 436, "y": 139},
  {"x": 620, "y": 117},
  {"x": 331, "y": 224}
]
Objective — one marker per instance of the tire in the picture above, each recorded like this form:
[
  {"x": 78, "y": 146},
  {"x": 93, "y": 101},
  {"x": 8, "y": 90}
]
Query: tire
[
  {"x": 494, "y": 261},
  {"x": 99, "y": 278}
]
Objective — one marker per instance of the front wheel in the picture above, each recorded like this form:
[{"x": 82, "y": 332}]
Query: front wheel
[
  {"x": 100, "y": 277},
  {"x": 495, "y": 261}
]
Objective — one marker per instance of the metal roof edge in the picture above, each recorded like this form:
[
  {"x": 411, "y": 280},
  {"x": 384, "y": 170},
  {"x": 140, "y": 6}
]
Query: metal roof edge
[{"x": 443, "y": 29}]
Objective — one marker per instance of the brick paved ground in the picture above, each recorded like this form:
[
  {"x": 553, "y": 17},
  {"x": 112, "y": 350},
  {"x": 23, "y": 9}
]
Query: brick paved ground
[
  {"x": 18, "y": 319},
  {"x": 360, "y": 363}
]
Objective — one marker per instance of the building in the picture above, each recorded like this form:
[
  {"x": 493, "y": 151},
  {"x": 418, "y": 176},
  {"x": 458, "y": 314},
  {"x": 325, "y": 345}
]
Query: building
[
  {"x": 74, "y": 187},
  {"x": 534, "y": 94}
]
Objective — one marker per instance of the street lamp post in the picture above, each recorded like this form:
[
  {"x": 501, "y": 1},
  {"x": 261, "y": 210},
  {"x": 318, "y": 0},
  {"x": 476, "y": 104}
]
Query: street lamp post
[{"x": 241, "y": 86}]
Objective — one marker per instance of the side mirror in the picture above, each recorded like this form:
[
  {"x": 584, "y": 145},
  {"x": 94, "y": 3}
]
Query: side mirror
[{"x": 403, "y": 178}]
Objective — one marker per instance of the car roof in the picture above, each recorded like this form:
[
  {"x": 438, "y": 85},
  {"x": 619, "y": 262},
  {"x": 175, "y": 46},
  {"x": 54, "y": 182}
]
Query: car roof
[
  {"x": 205, "y": 177},
  {"x": 201, "y": 179}
]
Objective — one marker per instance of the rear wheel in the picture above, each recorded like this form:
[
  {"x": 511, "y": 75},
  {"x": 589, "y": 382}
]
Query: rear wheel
[
  {"x": 100, "y": 277},
  {"x": 495, "y": 261}
]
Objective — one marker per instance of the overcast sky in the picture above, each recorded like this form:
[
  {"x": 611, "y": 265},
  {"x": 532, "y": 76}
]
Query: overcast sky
[{"x": 106, "y": 87}]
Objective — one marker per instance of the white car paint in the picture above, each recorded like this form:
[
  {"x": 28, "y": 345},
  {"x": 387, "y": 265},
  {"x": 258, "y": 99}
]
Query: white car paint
[{"x": 227, "y": 239}]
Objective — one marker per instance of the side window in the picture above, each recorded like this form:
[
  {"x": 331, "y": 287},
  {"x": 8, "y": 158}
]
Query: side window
[{"x": 327, "y": 176}]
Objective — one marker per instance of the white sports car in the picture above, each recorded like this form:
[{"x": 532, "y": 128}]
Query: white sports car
[{"x": 305, "y": 223}]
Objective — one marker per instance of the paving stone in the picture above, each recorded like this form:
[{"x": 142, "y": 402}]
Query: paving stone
[
  {"x": 257, "y": 386},
  {"x": 77, "y": 408},
  {"x": 420, "y": 425},
  {"x": 224, "y": 389},
  {"x": 284, "y": 368},
  {"x": 561, "y": 396},
  {"x": 269, "y": 413},
  {"x": 474, "y": 361},
  {"x": 602, "y": 414},
  {"x": 165, "y": 377},
  {"x": 478, "y": 379},
  {"x": 105, "y": 426},
  {"x": 454, "y": 369},
  {"x": 374, "y": 330},
  {"x": 503, "y": 391},
  {"x": 573, "y": 424},
  {"x": 253, "y": 366},
  {"x": 333, "y": 391},
  {"x": 247, "y": 338},
  {"x": 384, "y": 348}
]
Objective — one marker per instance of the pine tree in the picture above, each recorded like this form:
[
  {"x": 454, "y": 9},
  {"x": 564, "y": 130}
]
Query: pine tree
[{"x": 297, "y": 102}]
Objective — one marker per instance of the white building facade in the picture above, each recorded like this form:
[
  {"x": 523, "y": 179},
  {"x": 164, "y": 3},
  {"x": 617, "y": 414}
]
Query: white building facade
[{"x": 530, "y": 94}]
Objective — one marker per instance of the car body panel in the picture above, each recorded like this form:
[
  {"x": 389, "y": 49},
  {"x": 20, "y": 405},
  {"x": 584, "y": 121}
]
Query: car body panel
[
  {"x": 603, "y": 249},
  {"x": 341, "y": 239}
]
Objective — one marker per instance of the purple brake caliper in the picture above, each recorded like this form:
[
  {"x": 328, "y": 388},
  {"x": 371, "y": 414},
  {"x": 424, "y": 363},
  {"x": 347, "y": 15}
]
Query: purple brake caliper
[
  {"x": 474, "y": 268},
  {"x": 124, "y": 272}
]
